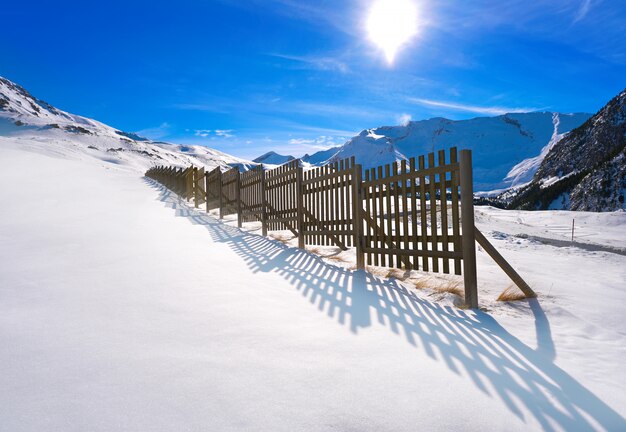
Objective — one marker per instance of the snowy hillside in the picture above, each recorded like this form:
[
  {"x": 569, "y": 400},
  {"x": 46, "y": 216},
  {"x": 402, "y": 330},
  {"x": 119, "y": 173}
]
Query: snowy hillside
[
  {"x": 507, "y": 149},
  {"x": 586, "y": 170},
  {"x": 38, "y": 124}
]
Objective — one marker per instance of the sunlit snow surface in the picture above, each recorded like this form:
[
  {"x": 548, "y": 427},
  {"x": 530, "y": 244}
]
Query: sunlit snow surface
[{"x": 122, "y": 308}]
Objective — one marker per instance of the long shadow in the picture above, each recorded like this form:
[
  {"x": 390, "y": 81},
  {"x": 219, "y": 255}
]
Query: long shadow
[{"x": 469, "y": 342}]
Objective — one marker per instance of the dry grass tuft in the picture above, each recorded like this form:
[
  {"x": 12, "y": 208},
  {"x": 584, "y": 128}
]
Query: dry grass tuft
[
  {"x": 281, "y": 238},
  {"x": 376, "y": 271},
  {"x": 337, "y": 258},
  {"x": 512, "y": 293},
  {"x": 421, "y": 283},
  {"x": 452, "y": 287}
]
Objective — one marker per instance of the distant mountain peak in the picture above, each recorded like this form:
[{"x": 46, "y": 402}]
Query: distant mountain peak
[{"x": 273, "y": 158}]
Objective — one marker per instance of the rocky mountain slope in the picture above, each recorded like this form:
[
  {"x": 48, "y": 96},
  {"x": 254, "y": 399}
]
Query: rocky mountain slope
[
  {"x": 586, "y": 170},
  {"x": 27, "y": 118}
]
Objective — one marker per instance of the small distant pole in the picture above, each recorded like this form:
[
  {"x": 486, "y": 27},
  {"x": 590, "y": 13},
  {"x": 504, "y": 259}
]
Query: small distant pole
[{"x": 572, "y": 230}]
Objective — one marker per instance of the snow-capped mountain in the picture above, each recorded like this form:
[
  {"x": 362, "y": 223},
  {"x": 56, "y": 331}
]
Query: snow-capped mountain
[
  {"x": 273, "y": 158},
  {"x": 586, "y": 170},
  {"x": 23, "y": 116},
  {"x": 506, "y": 149},
  {"x": 321, "y": 157}
]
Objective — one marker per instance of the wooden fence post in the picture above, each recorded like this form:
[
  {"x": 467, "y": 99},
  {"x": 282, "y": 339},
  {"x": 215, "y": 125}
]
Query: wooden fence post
[
  {"x": 195, "y": 187},
  {"x": 206, "y": 189},
  {"x": 263, "y": 204},
  {"x": 188, "y": 181},
  {"x": 468, "y": 230},
  {"x": 300, "y": 205},
  {"x": 238, "y": 198},
  {"x": 357, "y": 209},
  {"x": 221, "y": 196}
]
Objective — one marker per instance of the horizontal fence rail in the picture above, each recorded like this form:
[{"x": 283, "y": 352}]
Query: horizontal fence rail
[{"x": 413, "y": 215}]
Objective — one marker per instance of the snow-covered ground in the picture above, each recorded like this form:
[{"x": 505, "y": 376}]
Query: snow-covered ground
[{"x": 121, "y": 308}]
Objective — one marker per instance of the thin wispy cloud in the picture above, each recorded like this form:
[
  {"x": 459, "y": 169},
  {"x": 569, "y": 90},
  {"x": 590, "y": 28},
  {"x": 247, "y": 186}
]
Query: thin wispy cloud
[
  {"x": 209, "y": 107},
  {"x": 321, "y": 13},
  {"x": 158, "y": 132},
  {"x": 212, "y": 133},
  {"x": 323, "y": 63},
  {"x": 583, "y": 11},
  {"x": 485, "y": 110},
  {"x": 550, "y": 20},
  {"x": 225, "y": 133},
  {"x": 322, "y": 142},
  {"x": 298, "y": 147},
  {"x": 363, "y": 111},
  {"x": 277, "y": 108},
  {"x": 297, "y": 128}
]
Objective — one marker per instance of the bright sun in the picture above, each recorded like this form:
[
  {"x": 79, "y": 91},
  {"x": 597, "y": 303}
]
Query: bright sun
[{"x": 390, "y": 24}]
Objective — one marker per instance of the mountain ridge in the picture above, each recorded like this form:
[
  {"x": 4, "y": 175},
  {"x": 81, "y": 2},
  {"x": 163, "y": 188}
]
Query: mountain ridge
[
  {"x": 586, "y": 170},
  {"x": 507, "y": 149},
  {"x": 28, "y": 118}
]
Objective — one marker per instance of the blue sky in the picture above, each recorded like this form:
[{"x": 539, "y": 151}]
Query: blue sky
[{"x": 294, "y": 76}]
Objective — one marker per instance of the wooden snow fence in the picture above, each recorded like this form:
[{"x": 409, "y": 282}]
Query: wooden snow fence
[
  {"x": 413, "y": 215},
  {"x": 230, "y": 188},
  {"x": 329, "y": 205},
  {"x": 252, "y": 195},
  {"x": 213, "y": 187},
  {"x": 199, "y": 187}
]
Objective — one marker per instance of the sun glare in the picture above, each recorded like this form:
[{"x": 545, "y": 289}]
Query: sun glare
[{"x": 391, "y": 24}]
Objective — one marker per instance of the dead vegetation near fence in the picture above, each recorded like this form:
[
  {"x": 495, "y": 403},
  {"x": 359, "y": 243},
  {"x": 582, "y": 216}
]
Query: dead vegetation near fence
[
  {"x": 451, "y": 287},
  {"x": 511, "y": 293},
  {"x": 284, "y": 239}
]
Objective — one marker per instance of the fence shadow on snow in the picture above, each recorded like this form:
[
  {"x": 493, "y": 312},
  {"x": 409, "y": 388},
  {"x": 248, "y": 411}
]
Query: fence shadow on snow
[{"x": 470, "y": 343}]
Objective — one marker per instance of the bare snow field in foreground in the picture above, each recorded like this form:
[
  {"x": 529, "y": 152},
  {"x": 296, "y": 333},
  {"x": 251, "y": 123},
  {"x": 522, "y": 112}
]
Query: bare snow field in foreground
[{"x": 122, "y": 309}]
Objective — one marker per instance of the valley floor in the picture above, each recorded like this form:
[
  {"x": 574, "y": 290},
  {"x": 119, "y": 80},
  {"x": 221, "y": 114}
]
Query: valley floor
[{"x": 123, "y": 309}]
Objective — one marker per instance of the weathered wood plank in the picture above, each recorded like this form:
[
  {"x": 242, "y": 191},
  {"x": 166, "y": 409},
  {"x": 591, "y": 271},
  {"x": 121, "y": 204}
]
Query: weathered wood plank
[{"x": 467, "y": 225}]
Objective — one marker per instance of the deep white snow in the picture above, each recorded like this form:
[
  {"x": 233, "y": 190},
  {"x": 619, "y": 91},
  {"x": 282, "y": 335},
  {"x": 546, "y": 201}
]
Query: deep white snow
[{"x": 121, "y": 308}]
